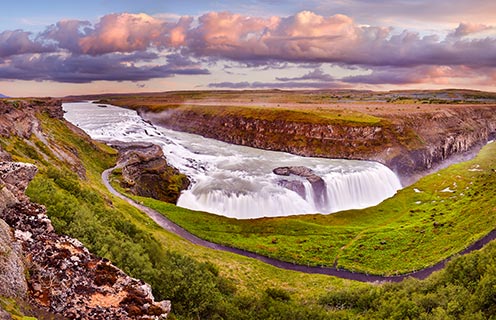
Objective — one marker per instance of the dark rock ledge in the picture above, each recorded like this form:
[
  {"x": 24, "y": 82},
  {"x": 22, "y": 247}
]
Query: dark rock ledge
[{"x": 318, "y": 184}]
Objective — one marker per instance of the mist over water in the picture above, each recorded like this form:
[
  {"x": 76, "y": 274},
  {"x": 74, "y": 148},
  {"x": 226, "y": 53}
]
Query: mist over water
[{"x": 237, "y": 181}]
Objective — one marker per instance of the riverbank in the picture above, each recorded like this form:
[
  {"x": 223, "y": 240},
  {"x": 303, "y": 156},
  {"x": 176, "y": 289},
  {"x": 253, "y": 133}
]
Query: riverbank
[
  {"x": 170, "y": 226},
  {"x": 434, "y": 219},
  {"x": 410, "y": 136}
]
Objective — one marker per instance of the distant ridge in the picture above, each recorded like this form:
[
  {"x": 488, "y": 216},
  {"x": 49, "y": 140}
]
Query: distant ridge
[{"x": 3, "y": 96}]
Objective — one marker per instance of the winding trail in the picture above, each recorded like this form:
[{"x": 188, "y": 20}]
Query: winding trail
[{"x": 331, "y": 271}]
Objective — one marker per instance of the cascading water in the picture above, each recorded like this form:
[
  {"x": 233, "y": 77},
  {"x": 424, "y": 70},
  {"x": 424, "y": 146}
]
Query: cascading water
[{"x": 238, "y": 181}]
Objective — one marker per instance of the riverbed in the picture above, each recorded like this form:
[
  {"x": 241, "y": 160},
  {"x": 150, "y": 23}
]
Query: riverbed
[{"x": 238, "y": 181}]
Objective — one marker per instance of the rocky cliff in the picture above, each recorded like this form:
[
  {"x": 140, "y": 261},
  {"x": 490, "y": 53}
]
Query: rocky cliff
[
  {"x": 64, "y": 277},
  {"x": 409, "y": 142},
  {"x": 54, "y": 275},
  {"x": 145, "y": 172}
]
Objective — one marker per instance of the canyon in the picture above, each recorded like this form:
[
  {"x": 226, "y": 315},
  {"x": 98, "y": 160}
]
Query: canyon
[
  {"x": 415, "y": 141},
  {"x": 411, "y": 143}
]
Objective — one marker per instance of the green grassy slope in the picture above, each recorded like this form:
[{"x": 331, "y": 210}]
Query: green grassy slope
[
  {"x": 431, "y": 220},
  {"x": 209, "y": 284},
  {"x": 199, "y": 282}
]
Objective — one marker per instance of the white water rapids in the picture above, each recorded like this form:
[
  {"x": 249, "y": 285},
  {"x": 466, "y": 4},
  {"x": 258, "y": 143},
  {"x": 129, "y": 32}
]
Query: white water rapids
[{"x": 237, "y": 181}]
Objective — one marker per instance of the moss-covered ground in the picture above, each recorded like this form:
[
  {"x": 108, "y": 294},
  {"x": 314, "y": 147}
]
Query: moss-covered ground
[
  {"x": 421, "y": 225},
  {"x": 17, "y": 310}
]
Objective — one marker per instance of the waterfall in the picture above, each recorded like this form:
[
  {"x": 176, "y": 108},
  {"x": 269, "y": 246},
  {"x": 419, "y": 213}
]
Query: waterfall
[{"x": 238, "y": 181}]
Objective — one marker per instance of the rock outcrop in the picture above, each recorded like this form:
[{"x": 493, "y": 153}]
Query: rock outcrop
[
  {"x": 19, "y": 118},
  {"x": 145, "y": 172},
  {"x": 12, "y": 269},
  {"x": 318, "y": 184},
  {"x": 64, "y": 277},
  {"x": 13, "y": 181}
]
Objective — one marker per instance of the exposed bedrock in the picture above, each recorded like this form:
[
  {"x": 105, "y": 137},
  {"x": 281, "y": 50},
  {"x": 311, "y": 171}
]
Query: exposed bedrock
[
  {"x": 409, "y": 143},
  {"x": 294, "y": 185},
  {"x": 52, "y": 274},
  {"x": 21, "y": 119},
  {"x": 64, "y": 277},
  {"x": 146, "y": 173},
  {"x": 318, "y": 184}
]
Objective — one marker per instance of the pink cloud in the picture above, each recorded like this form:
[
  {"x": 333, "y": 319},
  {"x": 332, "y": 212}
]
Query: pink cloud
[
  {"x": 123, "y": 32},
  {"x": 465, "y": 29},
  {"x": 227, "y": 34},
  {"x": 442, "y": 75},
  {"x": 179, "y": 47},
  {"x": 177, "y": 32},
  {"x": 309, "y": 37},
  {"x": 303, "y": 37}
]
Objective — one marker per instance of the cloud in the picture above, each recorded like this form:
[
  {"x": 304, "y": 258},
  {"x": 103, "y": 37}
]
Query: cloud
[
  {"x": 137, "y": 47},
  {"x": 86, "y": 68},
  {"x": 307, "y": 37},
  {"x": 465, "y": 29},
  {"x": 443, "y": 75},
  {"x": 123, "y": 32},
  {"x": 66, "y": 34},
  {"x": 316, "y": 74},
  {"x": 403, "y": 13},
  {"x": 278, "y": 85},
  {"x": 20, "y": 42}
]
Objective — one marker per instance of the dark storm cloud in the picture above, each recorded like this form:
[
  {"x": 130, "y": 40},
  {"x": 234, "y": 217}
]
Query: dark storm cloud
[{"x": 85, "y": 68}]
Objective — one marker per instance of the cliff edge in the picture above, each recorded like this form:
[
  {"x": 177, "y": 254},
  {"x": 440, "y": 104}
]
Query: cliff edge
[
  {"x": 54, "y": 276},
  {"x": 411, "y": 142}
]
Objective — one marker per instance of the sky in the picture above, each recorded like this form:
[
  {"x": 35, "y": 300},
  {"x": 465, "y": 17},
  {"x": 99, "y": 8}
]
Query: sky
[{"x": 59, "y": 48}]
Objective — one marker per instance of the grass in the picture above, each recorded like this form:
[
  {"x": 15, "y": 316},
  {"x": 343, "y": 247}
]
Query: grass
[
  {"x": 111, "y": 228},
  {"x": 421, "y": 225},
  {"x": 314, "y": 116},
  {"x": 108, "y": 226},
  {"x": 15, "y": 309}
]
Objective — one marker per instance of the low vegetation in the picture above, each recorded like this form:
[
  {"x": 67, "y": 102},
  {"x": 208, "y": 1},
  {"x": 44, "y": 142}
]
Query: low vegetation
[
  {"x": 200, "y": 283},
  {"x": 316, "y": 116},
  {"x": 421, "y": 225},
  {"x": 15, "y": 309},
  {"x": 209, "y": 284},
  {"x": 305, "y": 97},
  {"x": 465, "y": 289}
]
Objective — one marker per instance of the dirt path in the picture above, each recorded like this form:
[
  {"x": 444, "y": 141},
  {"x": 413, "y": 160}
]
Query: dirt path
[{"x": 345, "y": 274}]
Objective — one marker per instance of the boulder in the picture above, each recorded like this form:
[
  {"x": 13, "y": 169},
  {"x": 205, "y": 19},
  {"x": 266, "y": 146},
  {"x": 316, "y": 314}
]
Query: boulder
[
  {"x": 294, "y": 185},
  {"x": 12, "y": 269},
  {"x": 318, "y": 184},
  {"x": 145, "y": 172}
]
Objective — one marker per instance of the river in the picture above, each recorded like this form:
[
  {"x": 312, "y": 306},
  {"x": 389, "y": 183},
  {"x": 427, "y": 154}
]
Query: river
[{"x": 238, "y": 181}]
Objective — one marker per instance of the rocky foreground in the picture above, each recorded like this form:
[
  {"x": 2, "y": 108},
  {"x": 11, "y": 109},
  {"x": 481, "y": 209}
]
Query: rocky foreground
[
  {"x": 65, "y": 279},
  {"x": 50, "y": 275}
]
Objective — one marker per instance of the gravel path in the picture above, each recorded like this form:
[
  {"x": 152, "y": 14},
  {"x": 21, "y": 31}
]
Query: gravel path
[{"x": 345, "y": 274}]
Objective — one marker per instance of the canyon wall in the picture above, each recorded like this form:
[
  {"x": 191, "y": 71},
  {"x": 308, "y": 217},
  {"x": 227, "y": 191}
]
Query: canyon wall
[{"x": 409, "y": 143}]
